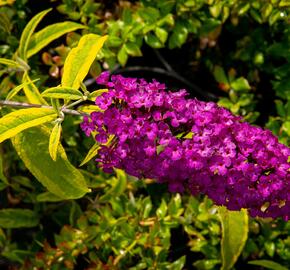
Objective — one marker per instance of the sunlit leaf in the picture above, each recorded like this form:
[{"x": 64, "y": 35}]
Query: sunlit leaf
[
  {"x": 8, "y": 62},
  {"x": 79, "y": 60},
  {"x": 62, "y": 92},
  {"x": 27, "y": 33},
  {"x": 13, "y": 92},
  {"x": 234, "y": 235},
  {"x": 60, "y": 177},
  {"x": 46, "y": 35},
  {"x": 31, "y": 91},
  {"x": 91, "y": 154},
  {"x": 17, "y": 121},
  {"x": 54, "y": 140}
]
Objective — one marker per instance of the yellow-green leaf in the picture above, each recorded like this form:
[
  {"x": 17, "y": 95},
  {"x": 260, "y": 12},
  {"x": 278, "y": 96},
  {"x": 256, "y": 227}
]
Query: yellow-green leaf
[
  {"x": 17, "y": 218},
  {"x": 31, "y": 92},
  {"x": 89, "y": 108},
  {"x": 62, "y": 92},
  {"x": 95, "y": 94},
  {"x": 54, "y": 140},
  {"x": 16, "y": 89},
  {"x": 46, "y": 35},
  {"x": 60, "y": 177},
  {"x": 118, "y": 183},
  {"x": 234, "y": 235},
  {"x": 17, "y": 121},
  {"x": 92, "y": 153},
  {"x": 48, "y": 197},
  {"x": 8, "y": 62},
  {"x": 268, "y": 264},
  {"x": 6, "y": 2},
  {"x": 27, "y": 33},
  {"x": 79, "y": 60}
]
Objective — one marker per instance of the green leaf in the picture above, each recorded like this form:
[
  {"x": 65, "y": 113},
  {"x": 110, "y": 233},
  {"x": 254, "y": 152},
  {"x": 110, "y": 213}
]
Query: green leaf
[
  {"x": 18, "y": 218},
  {"x": 179, "y": 36},
  {"x": 161, "y": 34},
  {"x": 240, "y": 84},
  {"x": 209, "y": 25},
  {"x": 60, "y": 177},
  {"x": 31, "y": 92},
  {"x": 16, "y": 89},
  {"x": 147, "y": 207},
  {"x": 42, "y": 38},
  {"x": 94, "y": 94},
  {"x": 268, "y": 264},
  {"x": 284, "y": 3},
  {"x": 132, "y": 49},
  {"x": 54, "y": 140},
  {"x": 27, "y": 33},
  {"x": 280, "y": 108},
  {"x": 89, "y": 109},
  {"x": 220, "y": 75},
  {"x": 119, "y": 184},
  {"x": 234, "y": 235},
  {"x": 206, "y": 264},
  {"x": 286, "y": 127},
  {"x": 62, "y": 92},
  {"x": 178, "y": 264},
  {"x": 48, "y": 197},
  {"x": 79, "y": 60},
  {"x": 3, "y": 178},
  {"x": 17, "y": 255},
  {"x": 153, "y": 41},
  {"x": 91, "y": 154},
  {"x": 17, "y": 121},
  {"x": 8, "y": 62},
  {"x": 162, "y": 210},
  {"x": 122, "y": 56}
]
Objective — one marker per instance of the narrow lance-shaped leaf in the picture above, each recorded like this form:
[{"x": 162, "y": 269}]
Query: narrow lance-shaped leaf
[
  {"x": 268, "y": 264},
  {"x": 79, "y": 60},
  {"x": 54, "y": 140},
  {"x": 60, "y": 177},
  {"x": 88, "y": 109},
  {"x": 8, "y": 62},
  {"x": 17, "y": 121},
  {"x": 62, "y": 92},
  {"x": 31, "y": 92},
  {"x": 118, "y": 186},
  {"x": 42, "y": 38},
  {"x": 16, "y": 89},
  {"x": 95, "y": 94},
  {"x": 17, "y": 218},
  {"x": 27, "y": 33},
  {"x": 91, "y": 154},
  {"x": 94, "y": 151},
  {"x": 234, "y": 235}
]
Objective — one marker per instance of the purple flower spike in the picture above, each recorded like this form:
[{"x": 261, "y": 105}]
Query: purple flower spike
[
  {"x": 192, "y": 145},
  {"x": 103, "y": 78}
]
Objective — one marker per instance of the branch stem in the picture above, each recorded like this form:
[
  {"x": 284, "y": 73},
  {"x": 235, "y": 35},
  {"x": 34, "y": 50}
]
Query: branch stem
[{"x": 29, "y": 105}]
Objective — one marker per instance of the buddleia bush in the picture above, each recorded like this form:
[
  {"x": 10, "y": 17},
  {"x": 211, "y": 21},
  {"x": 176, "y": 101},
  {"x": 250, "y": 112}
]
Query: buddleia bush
[{"x": 62, "y": 211}]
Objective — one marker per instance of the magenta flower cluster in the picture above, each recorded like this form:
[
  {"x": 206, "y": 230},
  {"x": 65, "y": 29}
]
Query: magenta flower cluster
[{"x": 191, "y": 145}]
